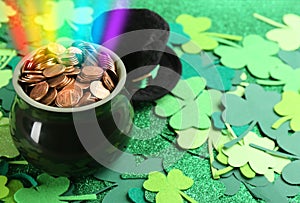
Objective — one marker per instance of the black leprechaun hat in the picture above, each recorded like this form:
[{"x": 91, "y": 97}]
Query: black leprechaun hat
[{"x": 139, "y": 37}]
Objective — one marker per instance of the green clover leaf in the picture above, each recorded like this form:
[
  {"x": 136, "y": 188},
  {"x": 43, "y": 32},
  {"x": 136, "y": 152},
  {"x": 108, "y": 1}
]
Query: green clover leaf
[
  {"x": 256, "y": 53},
  {"x": 169, "y": 188},
  {"x": 195, "y": 27},
  {"x": 4, "y": 191},
  {"x": 284, "y": 75},
  {"x": 59, "y": 12},
  {"x": 137, "y": 195},
  {"x": 288, "y": 108},
  {"x": 49, "y": 190},
  {"x": 5, "y": 12},
  {"x": 287, "y": 35},
  {"x": 189, "y": 107},
  {"x": 7, "y": 147},
  {"x": 13, "y": 186}
]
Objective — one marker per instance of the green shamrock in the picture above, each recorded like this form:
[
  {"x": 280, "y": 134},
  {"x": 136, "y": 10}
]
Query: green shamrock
[
  {"x": 284, "y": 75},
  {"x": 7, "y": 147},
  {"x": 49, "y": 190},
  {"x": 169, "y": 188},
  {"x": 5, "y": 12},
  {"x": 189, "y": 105},
  {"x": 13, "y": 186},
  {"x": 287, "y": 35},
  {"x": 61, "y": 11},
  {"x": 195, "y": 27},
  {"x": 4, "y": 191},
  {"x": 6, "y": 55},
  {"x": 288, "y": 107},
  {"x": 137, "y": 195},
  {"x": 256, "y": 53}
]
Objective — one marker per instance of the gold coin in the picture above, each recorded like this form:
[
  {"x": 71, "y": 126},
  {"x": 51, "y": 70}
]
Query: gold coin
[
  {"x": 54, "y": 70},
  {"x": 49, "y": 97},
  {"x": 56, "y": 48},
  {"x": 39, "y": 91}
]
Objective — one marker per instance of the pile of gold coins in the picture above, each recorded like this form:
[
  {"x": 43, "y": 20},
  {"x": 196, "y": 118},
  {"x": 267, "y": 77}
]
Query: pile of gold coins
[{"x": 69, "y": 77}]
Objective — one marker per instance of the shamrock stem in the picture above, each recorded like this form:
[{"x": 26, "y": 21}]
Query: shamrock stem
[
  {"x": 233, "y": 142},
  {"x": 268, "y": 20},
  {"x": 18, "y": 162},
  {"x": 106, "y": 188},
  {"x": 224, "y": 36},
  {"x": 134, "y": 176},
  {"x": 280, "y": 121},
  {"x": 270, "y": 82},
  {"x": 188, "y": 198},
  {"x": 212, "y": 159},
  {"x": 74, "y": 27},
  {"x": 79, "y": 197},
  {"x": 224, "y": 170},
  {"x": 272, "y": 152},
  {"x": 227, "y": 42},
  {"x": 13, "y": 53}
]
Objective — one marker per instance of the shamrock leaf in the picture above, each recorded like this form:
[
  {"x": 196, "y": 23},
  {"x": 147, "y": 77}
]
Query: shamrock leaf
[
  {"x": 177, "y": 35},
  {"x": 169, "y": 188},
  {"x": 137, "y": 195},
  {"x": 217, "y": 77},
  {"x": 257, "y": 107},
  {"x": 259, "y": 161},
  {"x": 190, "y": 108},
  {"x": 7, "y": 147},
  {"x": 49, "y": 190},
  {"x": 4, "y": 191},
  {"x": 192, "y": 138},
  {"x": 200, "y": 40},
  {"x": 288, "y": 108},
  {"x": 292, "y": 58},
  {"x": 119, "y": 193},
  {"x": 13, "y": 186},
  {"x": 61, "y": 11},
  {"x": 7, "y": 96},
  {"x": 5, "y": 76},
  {"x": 5, "y": 12},
  {"x": 287, "y": 35},
  {"x": 256, "y": 54}
]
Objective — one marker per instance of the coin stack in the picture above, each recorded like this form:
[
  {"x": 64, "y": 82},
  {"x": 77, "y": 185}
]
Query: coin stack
[{"x": 69, "y": 77}]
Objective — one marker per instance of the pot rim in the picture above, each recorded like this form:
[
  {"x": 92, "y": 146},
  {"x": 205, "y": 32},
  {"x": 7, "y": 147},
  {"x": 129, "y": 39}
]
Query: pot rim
[{"x": 121, "y": 70}]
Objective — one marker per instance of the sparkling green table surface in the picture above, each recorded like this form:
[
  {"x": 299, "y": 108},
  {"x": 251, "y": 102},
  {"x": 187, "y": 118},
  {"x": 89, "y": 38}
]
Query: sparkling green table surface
[{"x": 228, "y": 16}]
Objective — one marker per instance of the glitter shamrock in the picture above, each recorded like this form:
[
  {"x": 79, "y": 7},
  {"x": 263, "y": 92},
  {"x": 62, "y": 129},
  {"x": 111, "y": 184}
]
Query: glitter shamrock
[
  {"x": 189, "y": 107},
  {"x": 5, "y": 12},
  {"x": 256, "y": 108},
  {"x": 287, "y": 35},
  {"x": 256, "y": 53},
  {"x": 61, "y": 11},
  {"x": 4, "y": 191},
  {"x": 49, "y": 190},
  {"x": 288, "y": 107},
  {"x": 284, "y": 75},
  {"x": 169, "y": 188},
  {"x": 195, "y": 27}
]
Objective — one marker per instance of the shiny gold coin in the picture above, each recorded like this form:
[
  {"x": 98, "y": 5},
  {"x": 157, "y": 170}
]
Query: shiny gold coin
[
  {"x": 39, "y": 91},
  {"x": 98, "y": 90},
  {"x": 93, "y": 72},
  {"x": 75, "y": 71},
  {"x": 54, "y": 71},
  {"x": 67, "y": 98},
  {"x": 49, "y": 97},
  {"x": 56, "y": 48}
]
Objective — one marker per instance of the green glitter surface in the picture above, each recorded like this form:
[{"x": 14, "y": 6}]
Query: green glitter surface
[{"x": 228, "y": 16}]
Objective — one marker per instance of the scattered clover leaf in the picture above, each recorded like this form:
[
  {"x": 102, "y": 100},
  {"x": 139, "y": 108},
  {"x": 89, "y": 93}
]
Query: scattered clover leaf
[
  {"x": 4, "y": 191},
  {"x": 259, "y": 161},
  {"x": 169, "y": 188},
  {"x": 195, "y": 27},
  {"x": 288, "y": 108},
  {"x": 5, "y": 76},
  {"x": 190, "y": 107},
  {"x": 177, "y": 35},
  {"x": 5, "y": 12},
  {"x": 291, "y": 172},
  {"x": 292, "y": 58},
  {"x": 284, "y": 75},
  {"x": 7, "y": 147},
  {"x": 191, "y": 138},
  {"x": 119, "y": 193},
  {"x": 7, "y": 97},
  {"x": 137, "y": 195},
  {"x": 49, "y": 190},
  {"x": 257, "y": 107},
  {"x": 13, "y": 186},
  {"x": 287, "y": 35},
  {"x": 256, "y": 53},
  {"x": 61, "y": 11},
  {"x": 217, "y": 77}
]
